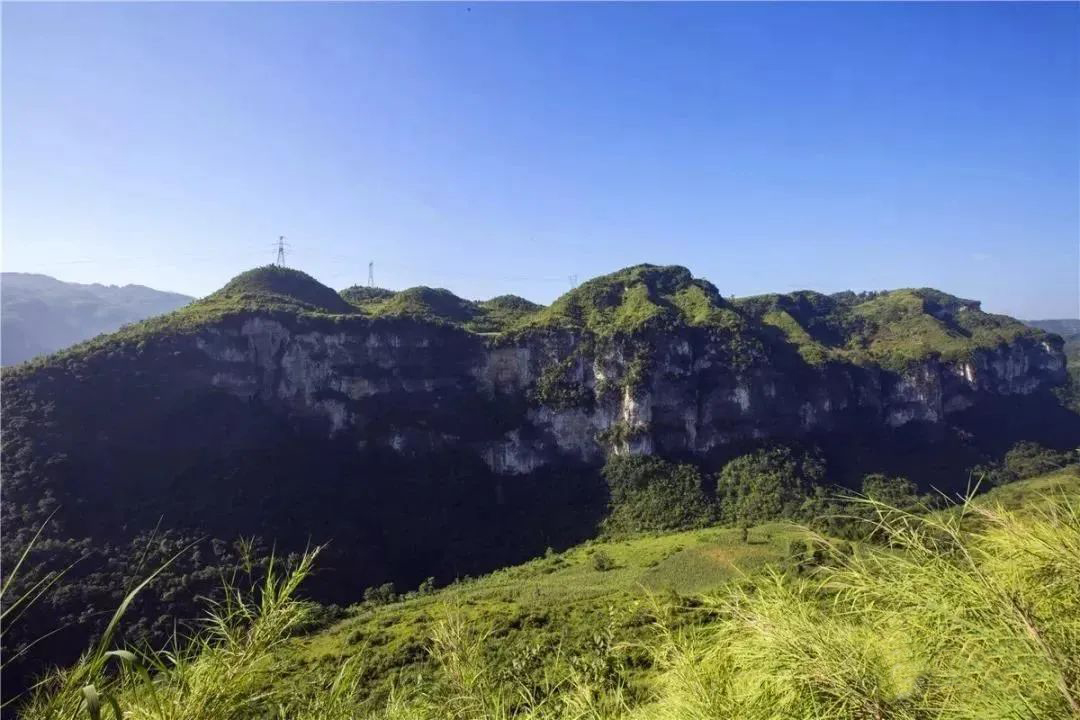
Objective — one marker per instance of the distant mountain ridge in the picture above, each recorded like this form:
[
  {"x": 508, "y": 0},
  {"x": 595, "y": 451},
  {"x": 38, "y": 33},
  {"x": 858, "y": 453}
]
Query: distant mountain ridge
[
  {"x": 1062, "y": 326},
  {"x": 40, "y": 314}
]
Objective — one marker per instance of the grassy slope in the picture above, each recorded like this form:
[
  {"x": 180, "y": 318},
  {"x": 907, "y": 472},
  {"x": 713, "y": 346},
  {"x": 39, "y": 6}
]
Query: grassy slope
[
  {"x": 1026, "y": 495},
  {"x": 562, "y": 602},
  {"x": 559, "y": 601}
]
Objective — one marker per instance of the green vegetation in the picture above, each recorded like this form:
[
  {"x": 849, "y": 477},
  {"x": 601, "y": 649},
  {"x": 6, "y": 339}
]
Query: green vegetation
[
  {"x": 183, "y": 450},
  {"x": 503, "y": 312},
  {"x": 364, "y": 295},
  {"x": 272, "y": 291},
  {"x": 638, "y": 299},
  {"x": 275, "y": 286},
  {"x": 970, "y": 613},
  {"x": 295, "y": 297},
  {"x": 893, "y": 329},
  {"x": 436, "y": 305},
  {"x": 558, "y": 388},
  {"x": 651, "y": 495},
  {"x": 767, "y": 485},
  {"x": 906, "y": 326},
  {"x": 1024, "y": 460}
]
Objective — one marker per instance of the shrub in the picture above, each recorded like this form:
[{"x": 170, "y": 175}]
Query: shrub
[
  {"x": 381, "y": 595},
  {"x": 896, "y": 492},
  {"x": 602, "y": 561},
  {"x": 797, "y": 550},
  {"x": 1024, "y": 460},
  {"x": 1029, "y": 459}
]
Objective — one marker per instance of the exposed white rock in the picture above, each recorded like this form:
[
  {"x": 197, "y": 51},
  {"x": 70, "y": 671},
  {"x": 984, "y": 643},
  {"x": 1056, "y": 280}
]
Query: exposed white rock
[
  {"x": 741, "y": 396},
  {"x": 336, "y": 375},
  {"x": 513, "y": 457}
]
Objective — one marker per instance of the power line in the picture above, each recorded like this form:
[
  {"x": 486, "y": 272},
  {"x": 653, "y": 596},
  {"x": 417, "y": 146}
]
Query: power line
[{"x": 280, "y": 261}]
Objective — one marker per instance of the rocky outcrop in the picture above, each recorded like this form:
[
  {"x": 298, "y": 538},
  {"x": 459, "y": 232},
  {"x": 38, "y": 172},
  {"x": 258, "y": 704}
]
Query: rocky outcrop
[{"x": 412, "y": 388}]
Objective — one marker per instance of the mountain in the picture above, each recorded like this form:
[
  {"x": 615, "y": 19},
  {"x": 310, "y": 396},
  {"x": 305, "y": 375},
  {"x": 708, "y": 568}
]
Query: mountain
[
  {"x": 40, "y": 315},
  {"x": 422, "y": 434},
  {"x": 1068, "y": 329}
]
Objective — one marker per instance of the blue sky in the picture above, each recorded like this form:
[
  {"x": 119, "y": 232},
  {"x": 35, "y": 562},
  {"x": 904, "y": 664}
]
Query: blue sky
[{"x": 502, "y": 148}]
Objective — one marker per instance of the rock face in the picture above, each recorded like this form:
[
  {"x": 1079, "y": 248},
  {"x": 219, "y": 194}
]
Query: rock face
[{"x": 687, "y": 401}]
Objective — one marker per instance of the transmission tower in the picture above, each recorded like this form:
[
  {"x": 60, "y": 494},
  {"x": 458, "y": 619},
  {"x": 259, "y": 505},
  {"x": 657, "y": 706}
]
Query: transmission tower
[
  {"x": 280, "y": 261},
  {"x": 573, "y": 281},
  {"x": 371, "y": 274}
]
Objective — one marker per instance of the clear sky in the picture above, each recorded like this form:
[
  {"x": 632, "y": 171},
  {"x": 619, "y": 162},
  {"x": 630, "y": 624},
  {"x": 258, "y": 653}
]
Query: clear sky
[{"x": 502, "y": 148}]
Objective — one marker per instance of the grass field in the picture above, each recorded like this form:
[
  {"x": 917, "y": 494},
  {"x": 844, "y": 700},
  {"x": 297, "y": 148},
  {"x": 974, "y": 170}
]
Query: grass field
[
  {"x": 557, "y": 603},
  {"x": 1028, "y": 494}
]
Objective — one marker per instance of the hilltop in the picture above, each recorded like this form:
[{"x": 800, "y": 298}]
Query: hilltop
[
  {"x": 894, "y": 328},
  {"x": 437, "y": 305},
  {"x": 891, "y": 328}
]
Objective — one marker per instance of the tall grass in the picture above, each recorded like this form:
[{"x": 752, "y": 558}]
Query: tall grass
[
  {"x": 973, "y": 614},
  {"x": 224, "y": 671},
  {"x": 970, "y": 614}
]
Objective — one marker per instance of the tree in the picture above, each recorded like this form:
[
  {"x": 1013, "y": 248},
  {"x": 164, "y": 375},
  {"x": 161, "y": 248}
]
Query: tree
[
  {"x": 381, "y": 595},
  {"x": 895, "y": 492},
  {"x": 1029, "y": 459},
  {"x": 649, "y": 494},
  {"x": 769, "y": 484}
]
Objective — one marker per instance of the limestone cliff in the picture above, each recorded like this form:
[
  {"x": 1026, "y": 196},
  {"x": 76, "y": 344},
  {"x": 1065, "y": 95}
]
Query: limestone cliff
[
  {"x": 686, "y": 400},
  {"x": 646, "y": 360}
]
